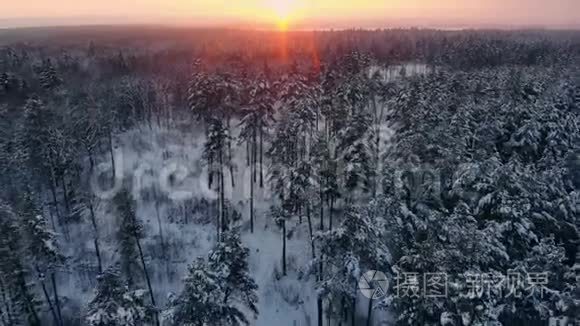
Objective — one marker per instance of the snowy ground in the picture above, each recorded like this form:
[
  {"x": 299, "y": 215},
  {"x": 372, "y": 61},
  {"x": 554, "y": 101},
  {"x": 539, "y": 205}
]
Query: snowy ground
[{"x": 147, "y": 155}]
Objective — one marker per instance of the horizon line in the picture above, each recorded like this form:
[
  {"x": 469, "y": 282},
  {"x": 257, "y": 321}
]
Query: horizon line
[{"x": 304, "y": 25}]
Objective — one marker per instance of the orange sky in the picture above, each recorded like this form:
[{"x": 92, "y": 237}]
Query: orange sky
[{"x": 312, "y": 13}]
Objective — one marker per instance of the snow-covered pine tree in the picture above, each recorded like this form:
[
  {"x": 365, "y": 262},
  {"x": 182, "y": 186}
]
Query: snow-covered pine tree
[
  {"x": 129, "y": 230},
  {"x": 229, "y": 260},
  {"x": 200, "y": 301},
  {"x": 48, "y": 76},
  {"x": 355, "y": 152},
  {"x": 216, "y": 150},
  {"x": 86, "y": 209},
  {"x": 42, "y": 248},
  {"x": 281, "y": 215},
  {"x": 257, "y": 117},
  {"x": 19, "y": 306},
  {"x": 34, "y": 133},
  {"x": 130, "y": 235},
  {"x": 216, "y": 289},
  {"x": 215, "y": 97},
  {"x": 325, "y": 172},
  {"x": 345, "y": 253},
  {"x": 87, "y": 132},
  {"x": 115, "y": 305}
]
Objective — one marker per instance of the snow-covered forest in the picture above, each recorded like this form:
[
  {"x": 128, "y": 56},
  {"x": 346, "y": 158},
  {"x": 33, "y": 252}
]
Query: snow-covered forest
[{"x": 167, "y": 177}]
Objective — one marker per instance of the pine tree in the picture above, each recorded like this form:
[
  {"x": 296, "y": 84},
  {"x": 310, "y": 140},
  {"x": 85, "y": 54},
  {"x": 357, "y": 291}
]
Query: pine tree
[
  {"x": 130, "y": 235},
  {"x": 325, "y": 171},
  {"x": 42, "y": 248},
  {"x": 346, "y": 252},
  {"x": 35, "y": 132},
  {"x": 355, "y": 150},
  {"x": 281, "y": 215},
  {"x": 229, "y": 259},
  {"x": 87, "y": 133},
  {"x": 48, "y": 76},
  {"x": 115, "y": 305},
  {"x": 19, "y": 306},
  {"x": 216, "y": 147},
  {"x": 86, "y": 208},
  {"x": 257, "y": 117},
  {"x": 200, "y": 302},
  {"x": 215, "y": 289}
]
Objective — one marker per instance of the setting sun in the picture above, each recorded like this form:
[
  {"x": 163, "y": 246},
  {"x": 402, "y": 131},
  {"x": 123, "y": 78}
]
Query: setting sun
[{"x": 283, "y": 12}]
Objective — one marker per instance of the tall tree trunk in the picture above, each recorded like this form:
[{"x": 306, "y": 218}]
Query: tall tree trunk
[
  {"x": 353, "y": 312},
  {"x": 160, "y": 224},
  {"x": 317, "y": 118},
  {"x": 284, "y": 247},
  {"x": 261, "y": 158},
  {"x": 147, "y": 278},
  {"x": 65, "y": 193},
  {"x": 222, "y": 192},
  {"x": 217, "y": 222},
  {"x": 210, "y": 169},
  {"x": 343, "y": 311},
  {"x": 330, "y": 214},
  {"x": 32, "y": 315},
  {"x": 96, "y": 235},
  {"x": 56, "y": 300},
  {"x": 50, "y": 305},
  {"x": 320, "y": 310},
  {"x": 8, "y": 311},
  {"x": 309, "y": 217},
  {"x": 252, "y": 180},
  {"x": 251, "y": 201},
  {"x": 91, "y": 158},
  {"x": 230, "y": 158},
  {"x": 255, "y": 156},
  {"x": 51, "y": 215},
  {"x": 54, "y": 197},
  {"x": 370, "y": 312},
  {"x": 321, "y": 227},
  {"x": 247, "y": 153},
  {"x": 112, "y": 152}
]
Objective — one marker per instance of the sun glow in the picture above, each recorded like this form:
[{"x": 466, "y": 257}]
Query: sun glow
[{"x": 283, "y": 12}]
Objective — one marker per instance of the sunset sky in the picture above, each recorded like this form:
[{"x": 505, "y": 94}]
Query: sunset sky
[{"x": 295, "y": 13}]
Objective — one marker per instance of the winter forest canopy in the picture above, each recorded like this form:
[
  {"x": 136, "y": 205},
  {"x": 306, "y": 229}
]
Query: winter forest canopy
[{"x": 165, "y": 176}]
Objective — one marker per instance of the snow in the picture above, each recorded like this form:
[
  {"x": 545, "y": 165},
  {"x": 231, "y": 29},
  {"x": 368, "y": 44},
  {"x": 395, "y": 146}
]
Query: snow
[{"x": 140, "y": 153}]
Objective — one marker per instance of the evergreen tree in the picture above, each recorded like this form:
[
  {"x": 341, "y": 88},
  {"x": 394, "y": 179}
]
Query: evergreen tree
[
  {"x": 200, "y": 302},
  {"x": 19, "y": 306},
  {"x": 48, "y": 76},
  {"x": 114, "y": 304},
  {"x": 355, "y": 151},
  {"x": 86, "y": 207},
  {"x": 257, "y": 117},
  {"x": 42, "y": 248},
  {"x": 346, "y": 252},
  {"x": 229, "y": 259},
  {"x": 281, "y": 215},
  {"x": 325, "y": 170},
  {"x": 216, "y": 150},
  {"x": 130, "y": 235},
  {"x": 215, "y": 289}
]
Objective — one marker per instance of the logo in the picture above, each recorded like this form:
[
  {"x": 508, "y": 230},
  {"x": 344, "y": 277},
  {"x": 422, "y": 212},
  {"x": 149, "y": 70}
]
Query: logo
[{"x": 373, "y": 285}]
